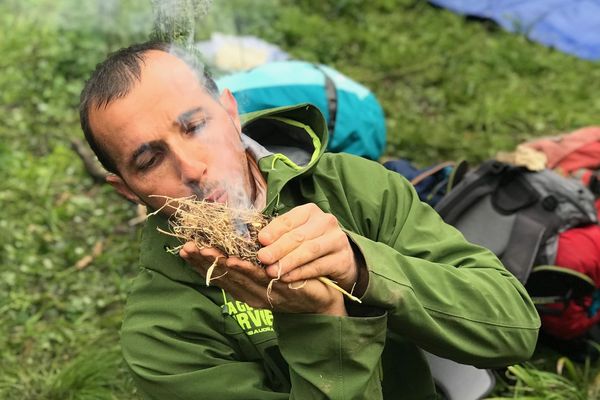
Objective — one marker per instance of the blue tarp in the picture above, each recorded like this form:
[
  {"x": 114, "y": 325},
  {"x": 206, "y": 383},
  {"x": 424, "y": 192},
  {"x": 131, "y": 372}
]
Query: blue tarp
[{"x": 572, "y": 26}]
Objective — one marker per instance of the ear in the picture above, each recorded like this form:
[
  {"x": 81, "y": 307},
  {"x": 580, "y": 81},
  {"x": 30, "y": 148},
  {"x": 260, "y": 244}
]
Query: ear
[
  {"x": 230, "y": 104},
  {"x": 122, "y": 188}
]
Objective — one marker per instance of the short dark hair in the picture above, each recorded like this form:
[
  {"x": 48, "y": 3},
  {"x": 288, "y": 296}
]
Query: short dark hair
[{"x": 113, "y": 79}]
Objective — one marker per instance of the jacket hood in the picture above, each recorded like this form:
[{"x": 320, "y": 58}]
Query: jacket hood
[
  {"x": 294, "y": 138},
  {"x": 288, "y": 141},
  {"x": 258, "y": 126}
]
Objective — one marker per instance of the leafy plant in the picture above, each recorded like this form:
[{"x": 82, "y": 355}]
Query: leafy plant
[{"x": 569, "y": 382}]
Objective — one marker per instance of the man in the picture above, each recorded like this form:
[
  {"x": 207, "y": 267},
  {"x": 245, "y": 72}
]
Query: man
[{"x": 161, "y": 129}]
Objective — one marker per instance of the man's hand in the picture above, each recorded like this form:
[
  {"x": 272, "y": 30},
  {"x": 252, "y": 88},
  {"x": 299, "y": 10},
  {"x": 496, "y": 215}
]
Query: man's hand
[
  {"x": 248, "y": 282},
  {"x": 306, "y": 243}
]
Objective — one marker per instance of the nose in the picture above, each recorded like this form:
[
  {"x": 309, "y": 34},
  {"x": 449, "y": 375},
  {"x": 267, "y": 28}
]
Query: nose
[{"x": 190, "y": 165}]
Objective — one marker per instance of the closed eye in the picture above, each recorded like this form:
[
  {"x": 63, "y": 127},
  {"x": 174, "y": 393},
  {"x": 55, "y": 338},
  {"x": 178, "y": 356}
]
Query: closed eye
[
  {"x": 146, "y": 156},
  {"x": 195, "y": 127},
  {"x": 147, "y": 163}
]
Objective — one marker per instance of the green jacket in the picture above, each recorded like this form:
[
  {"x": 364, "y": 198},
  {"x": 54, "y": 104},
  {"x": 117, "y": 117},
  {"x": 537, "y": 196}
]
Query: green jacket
[{"x": 428, "y": 288}]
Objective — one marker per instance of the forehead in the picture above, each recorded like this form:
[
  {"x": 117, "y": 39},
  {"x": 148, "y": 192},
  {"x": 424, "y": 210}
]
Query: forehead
[
  {"x": 160, "y": 68},
  {"x": 165, "y": 75}
]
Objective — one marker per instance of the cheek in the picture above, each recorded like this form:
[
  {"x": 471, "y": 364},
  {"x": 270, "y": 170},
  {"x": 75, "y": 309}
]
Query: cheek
[
  {"x": 229, "y": 154},
  {"x": 232, "y": 162},
  {"x": 161, "y": 185}
]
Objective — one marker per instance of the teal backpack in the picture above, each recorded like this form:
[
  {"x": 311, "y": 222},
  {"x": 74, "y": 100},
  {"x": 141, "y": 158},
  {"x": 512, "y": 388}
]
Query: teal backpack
[{"x": 354, "y": 117}]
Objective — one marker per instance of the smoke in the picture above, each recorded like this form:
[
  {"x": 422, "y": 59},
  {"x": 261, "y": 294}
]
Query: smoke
[
  {"x": 121, "y": 21},
  {"x": 114, "y": 20},
  {"x": 237, "y": 198},
  {"x": 175, "y": 20},
  {"x": 234, "y": 188}
]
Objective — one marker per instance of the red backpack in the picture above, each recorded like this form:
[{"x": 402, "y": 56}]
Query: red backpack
[
  {"x": 577, "y": 258},
  {"x": 576, "y": 154}
]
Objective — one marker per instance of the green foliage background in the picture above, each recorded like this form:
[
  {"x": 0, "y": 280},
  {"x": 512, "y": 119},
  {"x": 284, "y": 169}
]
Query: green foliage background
[{"x": 451, "y": 88}]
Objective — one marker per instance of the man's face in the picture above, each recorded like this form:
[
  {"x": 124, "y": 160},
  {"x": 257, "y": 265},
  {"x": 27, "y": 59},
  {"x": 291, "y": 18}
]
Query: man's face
[{"x": 169, "y": 137}]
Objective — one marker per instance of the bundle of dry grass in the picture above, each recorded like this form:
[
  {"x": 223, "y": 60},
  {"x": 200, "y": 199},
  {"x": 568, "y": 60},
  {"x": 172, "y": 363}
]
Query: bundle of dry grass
[{"x": 232, "y": 231}]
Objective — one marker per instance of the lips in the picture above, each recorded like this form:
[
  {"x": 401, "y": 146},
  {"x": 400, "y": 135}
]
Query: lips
[{"x": 217, "y": 196}]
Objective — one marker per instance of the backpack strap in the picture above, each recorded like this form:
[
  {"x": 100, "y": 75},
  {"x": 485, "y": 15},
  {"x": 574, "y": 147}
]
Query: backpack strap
[
  {"x": 456, "y": 176},
  {"x": 551, "y": 284},
  {"x": 525, "y": 240},
  {"x": 510, "y": 193},
  {"x": 332, "y": 100},
  {"x": 532, "y": 226},
  {"x": 469, "y": 190},
  {"x": 431, "y": 171},
  {"x": 594, "y": 184}
]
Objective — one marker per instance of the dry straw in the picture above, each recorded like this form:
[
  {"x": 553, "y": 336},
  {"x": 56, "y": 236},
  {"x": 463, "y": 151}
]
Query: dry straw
[{"x": 232, "y": 231}]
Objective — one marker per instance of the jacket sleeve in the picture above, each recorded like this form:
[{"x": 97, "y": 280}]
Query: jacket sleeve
[
  {"x": 450, "y": 297},
  {"x": 175, "y": 350}
]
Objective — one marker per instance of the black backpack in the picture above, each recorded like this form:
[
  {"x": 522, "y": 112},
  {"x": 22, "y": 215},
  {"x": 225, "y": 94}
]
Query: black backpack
[{"x": 517, "y": 213}]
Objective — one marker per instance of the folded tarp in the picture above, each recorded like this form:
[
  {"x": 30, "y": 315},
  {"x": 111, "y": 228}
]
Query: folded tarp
[{"x": 572, "y": 26}]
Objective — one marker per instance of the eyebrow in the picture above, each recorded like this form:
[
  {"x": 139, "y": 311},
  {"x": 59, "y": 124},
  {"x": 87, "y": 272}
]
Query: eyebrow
[{"x": 184, "y": 118}]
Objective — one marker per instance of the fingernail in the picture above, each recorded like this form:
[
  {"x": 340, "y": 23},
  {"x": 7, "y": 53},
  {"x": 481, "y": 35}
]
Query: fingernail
[
  {"x": 263, "y": 237},
  {"x": 273, "y": 270}
]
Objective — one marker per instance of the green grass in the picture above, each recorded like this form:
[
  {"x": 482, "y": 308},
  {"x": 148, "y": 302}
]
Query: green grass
[
  {"x": 560, "y": 379},
  {"x": 451, "y": 89}
]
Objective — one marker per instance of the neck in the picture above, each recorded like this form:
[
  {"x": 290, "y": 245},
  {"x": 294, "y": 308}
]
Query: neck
[{"x": 257, "y": 183}]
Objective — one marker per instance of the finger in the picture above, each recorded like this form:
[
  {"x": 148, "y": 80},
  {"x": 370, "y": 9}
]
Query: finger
[
  {"x": 285, "y": 223},
  {"x": 294, "y": 239},
  {"x": 303, "y": 254},
  {"x": 248, "y": 270},
  {"x": 211, "y": 253},
  {"x": 240, "y": 283},
  {"x": 188, "y": 249},
  {"x": 202, "y": 259},
  {"x": 235, "y": 262},
  {"x": 313, "y": 269},
  {"x": 310, "y": 296},
  {"x": 216, "y": 270},
  {"x": 330, "y": 242},
  {"x": 191, "y": 251}
]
